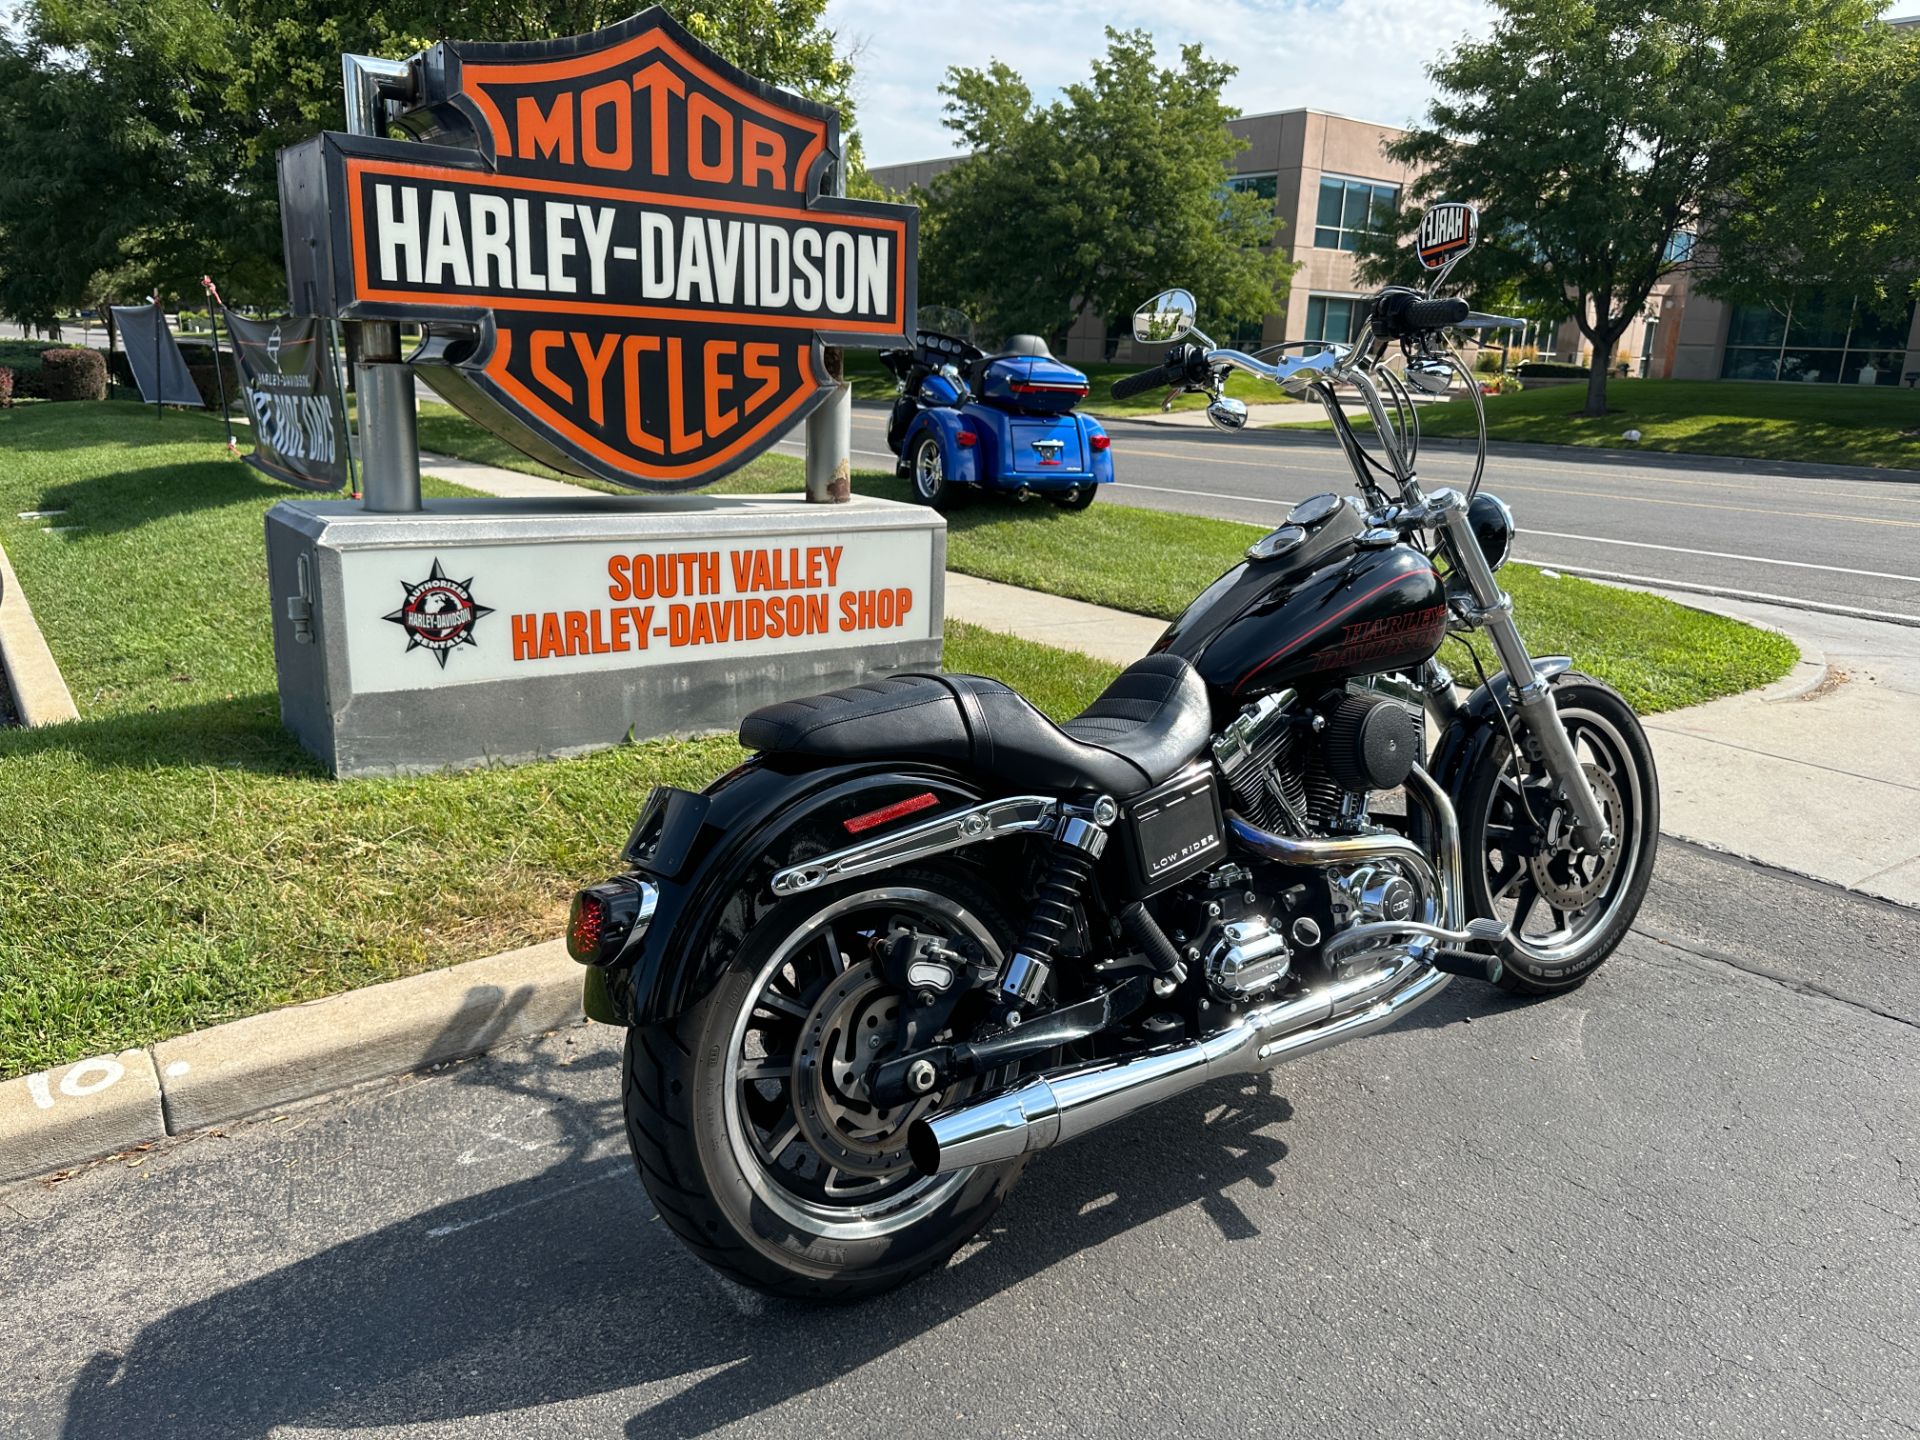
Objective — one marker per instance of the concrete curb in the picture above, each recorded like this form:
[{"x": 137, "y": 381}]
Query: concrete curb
[
  {"x": 40, "y": 694},
  {"x": 59, "y": 1118}
]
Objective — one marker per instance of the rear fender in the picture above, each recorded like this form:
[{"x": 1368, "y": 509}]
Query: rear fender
[
  {"x": 1101, "y": 465},
  {"x": 713, "y": 855},
  {"x": 961, "y": 462}
]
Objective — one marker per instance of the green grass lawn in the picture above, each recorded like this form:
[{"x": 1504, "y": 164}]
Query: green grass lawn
[
  {"x": 173, "y": 859},
  {"x": 1660, "y": 655},
  {"x": 1834, "y": 424},
  {"x": 872, "y": 382}
]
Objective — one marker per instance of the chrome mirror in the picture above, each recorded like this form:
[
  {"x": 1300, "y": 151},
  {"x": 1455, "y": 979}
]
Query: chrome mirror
[
  {"x": 1433, "y": 376},
  {"x": 1227, "y": 413},
  {"x": 1168, "y": 317}
]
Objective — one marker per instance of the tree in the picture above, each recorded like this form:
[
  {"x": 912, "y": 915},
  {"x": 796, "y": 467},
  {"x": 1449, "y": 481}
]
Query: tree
[
  {"x": 1113, "y": 192},
  {"x": 138, "y": 137},
  {"x": 1832, "y": 201},
  {"x": 1592, "y": 131}
]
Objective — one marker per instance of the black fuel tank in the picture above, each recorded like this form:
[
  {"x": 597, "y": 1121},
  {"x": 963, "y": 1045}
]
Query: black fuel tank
[{"x": 1312, "y": 617}]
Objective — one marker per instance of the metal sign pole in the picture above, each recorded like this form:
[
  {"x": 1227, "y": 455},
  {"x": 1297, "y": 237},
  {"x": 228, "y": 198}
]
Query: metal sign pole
[
  {"x": 830, "y": 426},
  {"x": 389, "y": 439}
]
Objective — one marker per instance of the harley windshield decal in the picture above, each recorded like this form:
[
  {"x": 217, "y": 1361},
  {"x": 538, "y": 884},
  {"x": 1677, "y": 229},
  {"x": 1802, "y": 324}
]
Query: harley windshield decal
[{"x": 632, "y": 258}]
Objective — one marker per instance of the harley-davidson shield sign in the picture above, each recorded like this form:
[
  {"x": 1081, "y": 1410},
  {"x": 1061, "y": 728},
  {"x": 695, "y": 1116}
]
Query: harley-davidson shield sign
[{"x": 617, "y": 246}]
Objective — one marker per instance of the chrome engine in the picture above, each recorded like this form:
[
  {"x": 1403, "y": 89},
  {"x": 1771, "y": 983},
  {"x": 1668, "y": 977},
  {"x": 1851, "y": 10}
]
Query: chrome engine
[{"x": 1300, "y": 773}]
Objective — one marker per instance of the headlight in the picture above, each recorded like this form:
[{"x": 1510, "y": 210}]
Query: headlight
[{"x": 1492, "y": 524}]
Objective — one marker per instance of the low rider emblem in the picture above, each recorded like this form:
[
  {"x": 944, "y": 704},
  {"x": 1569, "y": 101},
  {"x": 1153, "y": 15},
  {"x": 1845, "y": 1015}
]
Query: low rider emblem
[{"x": 617, "y": 243}]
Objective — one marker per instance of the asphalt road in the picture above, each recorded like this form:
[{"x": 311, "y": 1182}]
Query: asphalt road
[
  {"x": 1832, "y": 538},
  {"x": 1682, "y": 1202}
]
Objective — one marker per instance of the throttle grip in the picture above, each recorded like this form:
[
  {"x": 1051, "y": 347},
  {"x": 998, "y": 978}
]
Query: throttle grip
[
  {"x": 1436, "y": 314},
  {"x": 1158, "y": 378}
]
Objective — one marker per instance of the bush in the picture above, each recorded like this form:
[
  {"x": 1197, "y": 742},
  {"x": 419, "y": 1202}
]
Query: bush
[
  {"x": 209, "y": 386},
  {"x": 73, "y": 375},
  {"x": 23, "y": 358},
  {"x": 6, "y": 388},
  {"x": 1551, "y": 370}
]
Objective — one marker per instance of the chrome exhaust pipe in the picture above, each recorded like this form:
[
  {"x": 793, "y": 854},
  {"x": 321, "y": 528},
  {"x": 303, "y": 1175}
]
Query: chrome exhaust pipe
[{"x": 1048, "y": 1109}]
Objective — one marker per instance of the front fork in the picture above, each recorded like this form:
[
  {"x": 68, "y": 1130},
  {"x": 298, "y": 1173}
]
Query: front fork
[
  {"x": 1532, "y": 692},
  {"x": 1493, "y": 610}
]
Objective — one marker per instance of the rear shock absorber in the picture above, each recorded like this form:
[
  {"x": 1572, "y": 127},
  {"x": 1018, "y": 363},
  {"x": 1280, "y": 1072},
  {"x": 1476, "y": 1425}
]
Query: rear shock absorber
[{"x": 1077, "y": 844}]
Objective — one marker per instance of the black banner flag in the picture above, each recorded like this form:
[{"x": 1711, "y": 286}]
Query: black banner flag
[
  {"x": 299, "y": 424},
  {"x": 159, "y": 369}
]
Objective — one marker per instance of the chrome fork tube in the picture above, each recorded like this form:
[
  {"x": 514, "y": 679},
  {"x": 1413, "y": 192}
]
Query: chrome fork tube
[{"x": 1532, "y": 694}]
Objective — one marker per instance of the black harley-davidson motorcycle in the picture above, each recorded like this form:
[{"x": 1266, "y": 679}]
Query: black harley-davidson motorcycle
[{"x": 925, "y": 932}]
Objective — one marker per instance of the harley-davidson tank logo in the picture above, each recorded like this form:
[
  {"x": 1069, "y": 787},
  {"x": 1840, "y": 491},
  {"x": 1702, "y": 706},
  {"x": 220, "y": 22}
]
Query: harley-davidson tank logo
[
  {"x": 618, "y": 245},
  {"x": 438, "y": 614}
]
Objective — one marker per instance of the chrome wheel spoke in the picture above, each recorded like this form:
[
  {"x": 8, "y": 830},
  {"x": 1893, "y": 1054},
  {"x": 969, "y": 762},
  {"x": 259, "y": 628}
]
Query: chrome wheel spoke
[{"x": 766, "y": 1069}]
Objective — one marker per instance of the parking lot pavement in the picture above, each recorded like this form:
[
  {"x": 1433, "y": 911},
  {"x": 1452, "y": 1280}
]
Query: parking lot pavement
[{"x": 1683, "y": 1201}]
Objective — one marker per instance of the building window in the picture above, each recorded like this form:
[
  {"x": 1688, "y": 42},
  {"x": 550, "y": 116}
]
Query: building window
[
  {"x": 1679, "y": 249},
  {"x": 1352, "y": 208},
  {"x": 1335, "y": 318},
  {"x": 1265, "y": 186},
  {"x": 1815, "y": 339}
]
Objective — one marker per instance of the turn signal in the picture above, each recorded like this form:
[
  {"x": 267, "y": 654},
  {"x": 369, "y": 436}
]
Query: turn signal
[
  {"x": 1101, "y": 442},
  {"x": 606, "y": 917}
]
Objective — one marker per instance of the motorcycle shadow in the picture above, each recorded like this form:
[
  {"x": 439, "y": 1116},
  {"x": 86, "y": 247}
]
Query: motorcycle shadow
[{"x": 565, "y": 1286}]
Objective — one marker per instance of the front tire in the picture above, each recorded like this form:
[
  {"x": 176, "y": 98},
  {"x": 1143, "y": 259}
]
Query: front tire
[
  {"x": 1569, "y": 909},
  {"x": 733, "y": 1107}
]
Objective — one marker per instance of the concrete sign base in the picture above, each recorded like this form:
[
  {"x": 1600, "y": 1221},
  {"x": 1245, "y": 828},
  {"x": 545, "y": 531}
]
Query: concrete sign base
[{"x": 505, "y": 630}]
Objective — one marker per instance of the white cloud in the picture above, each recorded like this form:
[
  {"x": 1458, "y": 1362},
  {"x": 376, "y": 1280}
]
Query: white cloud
[{"x": 1365, "y": 58}]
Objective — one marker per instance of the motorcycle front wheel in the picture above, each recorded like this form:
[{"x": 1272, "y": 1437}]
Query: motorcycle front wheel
[
  {"x": 748, "y": 1118},
  {"x": 1568, "y": 908}
]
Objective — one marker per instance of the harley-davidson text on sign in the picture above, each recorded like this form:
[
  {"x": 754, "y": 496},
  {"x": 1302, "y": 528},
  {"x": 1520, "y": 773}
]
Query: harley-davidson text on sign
[
  {"x": 617, "y": 244},
  {"x": 452, "y": 614}
]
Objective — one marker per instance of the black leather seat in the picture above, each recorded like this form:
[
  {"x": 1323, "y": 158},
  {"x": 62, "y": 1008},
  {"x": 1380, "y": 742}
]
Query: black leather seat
[{"x": 1145, "y": 726}]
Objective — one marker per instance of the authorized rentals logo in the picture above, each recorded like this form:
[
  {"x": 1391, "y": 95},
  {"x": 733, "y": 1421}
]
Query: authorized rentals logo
[{"x": 438, "y": 614}]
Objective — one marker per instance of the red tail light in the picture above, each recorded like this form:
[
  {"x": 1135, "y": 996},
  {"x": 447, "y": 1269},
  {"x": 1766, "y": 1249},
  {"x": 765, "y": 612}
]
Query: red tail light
[
  {"x": 586, "y": 925},
  {"x": 965, "y": 438},
  {"x": 1040, "y": 387},
  {"x": 607, "y": 916},
  {"x": 1101, "y": 442}
]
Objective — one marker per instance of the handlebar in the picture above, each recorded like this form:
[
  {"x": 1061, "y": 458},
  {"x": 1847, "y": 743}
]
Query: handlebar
[{"x": 1160, "y": 377}]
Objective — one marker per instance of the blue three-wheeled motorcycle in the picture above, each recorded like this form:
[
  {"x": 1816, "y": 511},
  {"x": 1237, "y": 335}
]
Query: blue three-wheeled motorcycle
[{"x": 969, "y": 420}]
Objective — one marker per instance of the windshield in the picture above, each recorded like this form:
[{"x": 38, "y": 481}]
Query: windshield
[{"x": 944, "y": 320}]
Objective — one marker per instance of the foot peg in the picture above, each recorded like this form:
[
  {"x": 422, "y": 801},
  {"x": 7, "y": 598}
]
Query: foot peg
[{"x": 1482, "y": 960}]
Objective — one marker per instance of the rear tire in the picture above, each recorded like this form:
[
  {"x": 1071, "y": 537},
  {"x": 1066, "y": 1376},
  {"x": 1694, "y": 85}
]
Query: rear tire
[
  {"x": 1519, "y": 861},
  {"x": 724, "y": 1155},
  {"x": 927, "y": 473}
]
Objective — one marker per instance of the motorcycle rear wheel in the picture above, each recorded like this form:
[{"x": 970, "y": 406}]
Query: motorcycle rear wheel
[{"x": 732, "y": 1107}]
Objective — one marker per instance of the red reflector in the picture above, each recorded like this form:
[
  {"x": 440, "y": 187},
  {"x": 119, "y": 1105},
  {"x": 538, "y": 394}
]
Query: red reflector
[
  {"x": 585, "y": 927},
  {"x": 890, "y": 812},
  {"x": 1038, "y": 387},
  {"x": 965, "y": 437},
  {"x": 1101, "y": 442}
]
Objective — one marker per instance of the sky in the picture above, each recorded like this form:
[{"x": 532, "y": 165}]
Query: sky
[{"x": 1363, "y": 58}]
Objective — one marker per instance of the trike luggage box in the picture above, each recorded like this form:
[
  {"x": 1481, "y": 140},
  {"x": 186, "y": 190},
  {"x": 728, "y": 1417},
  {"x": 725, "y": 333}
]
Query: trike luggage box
[{"x": 1033, "y": 383}]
